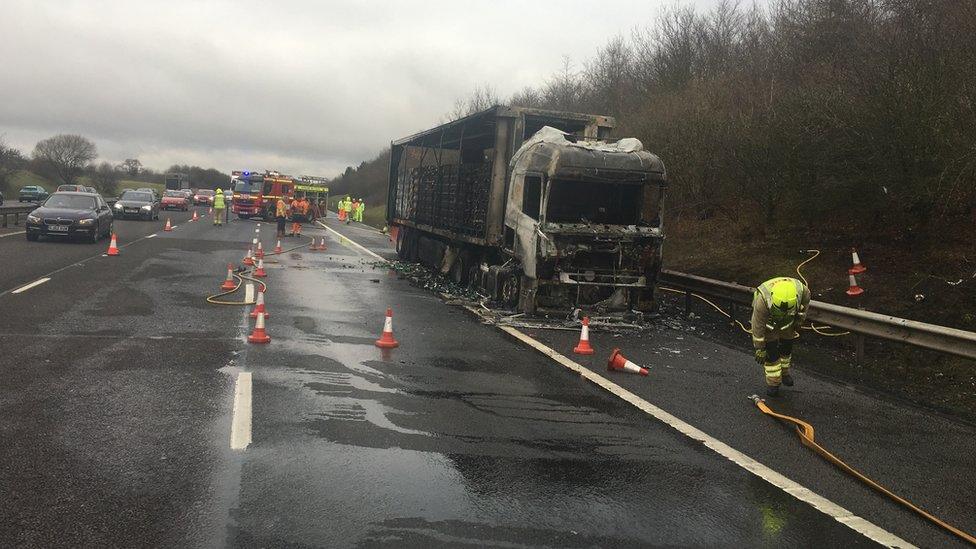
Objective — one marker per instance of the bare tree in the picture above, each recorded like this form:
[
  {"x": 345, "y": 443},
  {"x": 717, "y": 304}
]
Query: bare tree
[
  {"x": 483, "y": 97},
  {"x": 106, "y": 178},
  {"x": 11, "y": 160},
  {"x": 131, "y": 166},
  {"x": 66, "y": 154}
]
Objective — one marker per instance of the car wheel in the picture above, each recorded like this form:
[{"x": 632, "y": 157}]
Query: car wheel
[{"x": 93, "y": 236}]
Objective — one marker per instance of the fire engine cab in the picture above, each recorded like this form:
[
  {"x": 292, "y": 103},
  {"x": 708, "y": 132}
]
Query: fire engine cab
[{"x": 255, "y": 194}]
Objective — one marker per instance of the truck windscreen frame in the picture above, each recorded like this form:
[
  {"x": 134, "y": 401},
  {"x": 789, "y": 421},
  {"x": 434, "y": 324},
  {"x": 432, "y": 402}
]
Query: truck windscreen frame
[
  {"x": 572, "y": 201},
  {"x": 245, "y": 186}
]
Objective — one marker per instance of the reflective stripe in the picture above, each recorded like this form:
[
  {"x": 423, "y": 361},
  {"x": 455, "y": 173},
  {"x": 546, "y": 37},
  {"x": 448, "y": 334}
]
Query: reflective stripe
[{"x": 773, "y": 370}]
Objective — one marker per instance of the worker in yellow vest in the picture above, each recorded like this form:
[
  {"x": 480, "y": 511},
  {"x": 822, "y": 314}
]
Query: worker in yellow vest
[
  {"x": 218, "y": 208},
  {"x": 347, "y": 209}
]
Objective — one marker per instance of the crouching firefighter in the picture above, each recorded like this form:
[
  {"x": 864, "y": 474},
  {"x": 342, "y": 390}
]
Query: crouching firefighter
[{"x": 779, "y": 307}]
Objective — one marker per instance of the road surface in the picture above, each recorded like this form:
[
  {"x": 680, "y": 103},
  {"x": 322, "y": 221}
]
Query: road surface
[{"x": 134, "y": 413}]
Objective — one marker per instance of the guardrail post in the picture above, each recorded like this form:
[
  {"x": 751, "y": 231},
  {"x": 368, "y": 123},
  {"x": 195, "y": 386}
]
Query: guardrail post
[
  {"x": 687, "y": 303},
  {"x": 732, "y": 309},
  {"x": 4, "y": 221},
  {"x": 16, "y": 218}
]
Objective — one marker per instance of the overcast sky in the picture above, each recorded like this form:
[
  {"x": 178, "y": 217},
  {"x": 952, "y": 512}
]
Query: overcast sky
[{"x": 300, "y": 87}]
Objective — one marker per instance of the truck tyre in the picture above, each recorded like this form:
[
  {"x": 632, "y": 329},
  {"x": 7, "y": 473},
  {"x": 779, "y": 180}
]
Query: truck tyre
[
  {"x": 526, "y": 296},
  {"x": 509, "y": 289},
  {"x": 459, "y": 269}
]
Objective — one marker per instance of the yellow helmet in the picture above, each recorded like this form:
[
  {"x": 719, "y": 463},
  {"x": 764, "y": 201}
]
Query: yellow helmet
[{"x": 784, "y": 298}]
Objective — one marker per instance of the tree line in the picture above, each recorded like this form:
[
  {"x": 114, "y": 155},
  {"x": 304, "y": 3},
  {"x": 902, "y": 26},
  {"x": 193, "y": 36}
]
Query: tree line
[
  {"x": 64, "y": 158},
  {"x": 860, "y": 113}
]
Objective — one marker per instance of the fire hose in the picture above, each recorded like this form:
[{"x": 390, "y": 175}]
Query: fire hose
[
  {"x": 805, "y": 431},
  {"x": 247, "y": 274}
]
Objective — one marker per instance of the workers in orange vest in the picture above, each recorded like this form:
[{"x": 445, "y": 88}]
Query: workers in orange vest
[{"x": 299, "y": 213}]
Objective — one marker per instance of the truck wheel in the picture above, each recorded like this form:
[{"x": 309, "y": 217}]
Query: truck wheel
[
  {"x": 403, "y": 244},
  {"x": 510, "y": 289}
]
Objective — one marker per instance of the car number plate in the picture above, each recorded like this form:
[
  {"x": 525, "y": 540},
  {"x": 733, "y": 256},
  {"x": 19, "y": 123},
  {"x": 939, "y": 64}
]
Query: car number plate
[
  {"x": 58, "y": 228},
  {"x": 131, "y": 210}
]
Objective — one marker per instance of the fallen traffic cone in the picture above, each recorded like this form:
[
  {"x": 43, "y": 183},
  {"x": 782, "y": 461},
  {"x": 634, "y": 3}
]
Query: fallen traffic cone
[
  {"x": 260, "y": 270},
  {"x": 113, "y": 247},
  {"x": 248, "y": 259},
  {"x": 195, "y": 216},
  {"x": 857, "y": 268},
  {"x": 229, "y": 281},
  {"x": 621, "y": 364},
  {"x": 584, "y": 342},
  {"x": 260, "y": 252},
  {"x": 169, "y": 226},
  {"x": 259, "y": 308},
  {"x": 277, "y": 249},
  {"x": 854, "y": 290},
  {"x": 259, "y": 335},
  {"x": 386, "y": 340}
]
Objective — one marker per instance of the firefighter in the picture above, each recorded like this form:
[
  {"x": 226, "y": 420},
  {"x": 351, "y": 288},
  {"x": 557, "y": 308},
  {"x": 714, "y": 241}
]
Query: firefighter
[
  {"x": 341, "y": 209},
  {"x": 779, "y": 307},
  {"x": 281, "y": 214},
  {"x": 347, "y": 209},
  {"x": 355, "y": 209},
  {"x": 299, "y": 213},
  {"x": 218, "y": 208},
  {"x": 360, "y": 209}
]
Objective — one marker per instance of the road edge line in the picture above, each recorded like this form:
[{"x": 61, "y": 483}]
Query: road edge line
[
  {"x": 791, "y": 487},
  {"x": 351, "y": 241},
  {"x": 30, "y": 285},
  {"x": 240, "y": 427}
]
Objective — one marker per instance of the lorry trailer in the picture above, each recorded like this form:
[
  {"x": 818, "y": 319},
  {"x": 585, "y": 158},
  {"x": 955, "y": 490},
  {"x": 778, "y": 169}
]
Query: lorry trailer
[{"x": 540, "y": 209}]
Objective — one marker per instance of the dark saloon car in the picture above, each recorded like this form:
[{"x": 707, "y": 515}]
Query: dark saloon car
[
  {"x": 32, "y": 193},
  {"x": 70, "y": 214},
  {"x": 136, "y": 204}
]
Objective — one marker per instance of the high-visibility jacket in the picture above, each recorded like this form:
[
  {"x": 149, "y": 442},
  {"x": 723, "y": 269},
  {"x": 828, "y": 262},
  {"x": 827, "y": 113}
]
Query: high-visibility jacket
[
  {"x": 218, "y": 202},
  {"x": 764, "y": 326},
  {"x": 347, "y": 206}
]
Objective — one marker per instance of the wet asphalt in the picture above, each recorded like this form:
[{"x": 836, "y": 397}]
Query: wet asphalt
[{"x": 118, "y": 400}]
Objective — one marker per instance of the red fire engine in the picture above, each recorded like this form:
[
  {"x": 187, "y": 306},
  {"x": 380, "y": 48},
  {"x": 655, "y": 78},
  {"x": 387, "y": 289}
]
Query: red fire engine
[{"x": 255, "y": 194}]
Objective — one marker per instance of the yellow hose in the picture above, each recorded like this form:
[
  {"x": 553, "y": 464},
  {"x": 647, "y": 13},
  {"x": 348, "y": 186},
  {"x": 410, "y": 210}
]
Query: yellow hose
[
  {"x": 241, "y": 277},
  {"x": 805, "y": 431}
]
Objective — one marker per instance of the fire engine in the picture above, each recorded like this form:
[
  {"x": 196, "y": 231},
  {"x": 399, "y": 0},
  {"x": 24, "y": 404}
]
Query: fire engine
[{"x": 255, "y": 194}]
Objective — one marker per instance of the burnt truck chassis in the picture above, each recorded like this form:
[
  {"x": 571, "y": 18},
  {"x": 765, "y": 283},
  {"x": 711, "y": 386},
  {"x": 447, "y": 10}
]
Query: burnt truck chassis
[{"x": 457, "y": 205}]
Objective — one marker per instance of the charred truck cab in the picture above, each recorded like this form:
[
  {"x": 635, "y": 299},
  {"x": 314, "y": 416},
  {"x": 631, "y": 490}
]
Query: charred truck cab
[{"x": 539, "y": 208}]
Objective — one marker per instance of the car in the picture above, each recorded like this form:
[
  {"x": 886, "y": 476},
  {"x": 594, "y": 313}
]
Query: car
[
  {"x": 32, "y": 193},
  {"x": 188, "y": 193},
  {"x": 68, "y": 214},
  {"x": 175, "y": 200},
  {"x": 71, "y": 189},
  {"x": 137, "y": 204},
  {"x": 151, "y": 191},
  {"x": 204, "y": 196},
  {"x": 91, "y": 190}
]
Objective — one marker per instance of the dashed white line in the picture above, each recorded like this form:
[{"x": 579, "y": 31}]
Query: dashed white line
[
  {"x": 240, "y": 428},
  {"x": 11, "y": 234},
  {"x": 791, "y": 487},
  {"x": 152, "y": 235},
  {"x": 26, "y": 287}
]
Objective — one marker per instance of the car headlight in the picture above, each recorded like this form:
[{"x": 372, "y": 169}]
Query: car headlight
[
  {"x": 118, "y": 206},
  {"x": 147, "y": 207},
  {"x": 33, "y": 218},
  {"x": 85, "y": 221}
]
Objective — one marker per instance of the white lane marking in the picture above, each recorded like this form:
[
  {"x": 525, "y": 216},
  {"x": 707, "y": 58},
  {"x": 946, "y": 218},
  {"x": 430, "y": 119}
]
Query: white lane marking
[
  {"x": 26, "y": 287},
  {"x": 791, "y": 487},
  {"x": 822, "y": 504},
  {"x": 249, "y": 292},
  {"x": 354, "y": 243},
  {"x": 10, "y": 234},
  {"x": 240, "y": 428},
  {"x": 152, "y": 235}
]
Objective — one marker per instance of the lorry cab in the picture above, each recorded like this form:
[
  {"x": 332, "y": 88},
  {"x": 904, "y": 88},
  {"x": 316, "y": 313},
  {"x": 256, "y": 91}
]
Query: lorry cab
[{"x": 255, "y": 194}]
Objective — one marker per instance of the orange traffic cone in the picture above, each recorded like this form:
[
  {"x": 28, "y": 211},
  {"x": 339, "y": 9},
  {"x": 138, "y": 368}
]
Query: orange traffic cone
[
  {"x": 113, "y": 247},
  {"x": 259, "y": 272},
  {"x": 621, "y": 364},
  {"x": 322, "y": 246},
  {"x": 584, "y": 342},
  {"x": 259, "y": 308},
  {"x": 259, "y": 335},
  {"x": 260, "y": 252},
  {"x": 169, "y": 226},
  {"x": 248, "y": 259},
  {"x": 195, "y": 216},
  {"x": 854, "y": 290},
  {"x": 229, "y": 281},
  {"x": 386, "y": 340},
  {"x": 858, "y": 268},
  {"x": 277, "y": 249}
]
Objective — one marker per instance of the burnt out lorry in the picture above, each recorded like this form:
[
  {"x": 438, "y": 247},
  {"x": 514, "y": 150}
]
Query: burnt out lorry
[{"x": 540, "y": 209}]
